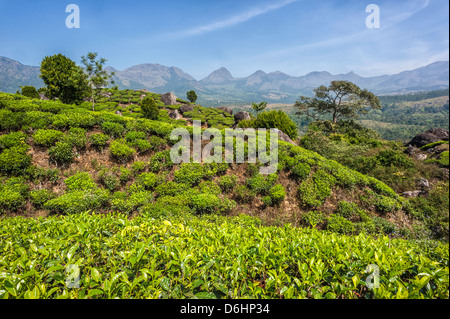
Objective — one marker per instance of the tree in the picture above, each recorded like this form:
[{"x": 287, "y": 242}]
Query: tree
[
  {"x": 258, "y": 107},
  {"x": 29, "y": 91},
  {"x": 342, "y": 99},
  {"x": 63, "y": 78},
  {"x": 97, "y": 77},
  {"x": 149, "y": 108},
  {"x": 192, "y": 96}
]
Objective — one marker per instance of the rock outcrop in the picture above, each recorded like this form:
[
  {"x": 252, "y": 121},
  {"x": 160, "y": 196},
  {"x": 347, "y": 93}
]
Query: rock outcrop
[
  {"x": 430, "y": 136},
  {"x": 241, "y": 116},
  {"x": 186, "y": 108},
  {"x": 169, "y": 98}
]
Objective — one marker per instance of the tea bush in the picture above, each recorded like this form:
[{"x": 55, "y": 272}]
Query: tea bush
[
  {"x": 12, "y": 140},
  {"x": 40, "y": 196},
  {"x": 261, "y": 184},
  {"x": 80, "y": 181},
  {"x": 62, "y": 153},
  {"x": 148, "y": 180},
  {"x": 170, "y": 189},
  {"x": 160, "y": 161},
  {"x": 14, "y": 160},
  {"x": 189, "y": 173},
  {"x": 313, "y": 218},
  {"x": 77, "y": 138},
  {"x": 228, "y": 182},
  {"x": 78, "y": 201},
  {"x": 340, "y": 225},
  {"x": 98, "y": 140},
  {"x": 114, "y": 130},
  {"x": 47, "y": 138},
  {"x": 277, "y": 194},
  {"x": 121, "y": 151}
]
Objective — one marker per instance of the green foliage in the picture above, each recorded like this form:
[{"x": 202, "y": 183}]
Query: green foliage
[
  {"x": 432, "y": 145},
  {"x": 313, "y": 218},
  {"x": 342, "y": 99},
  {"x": 170, "y": 189},
  {"x": 29, "y": 91},
  {"x": 228, "y": 182},
  {"x": 78, "y": 201},
  {"x": 262, "y": 184},
  {"x": 114, "y": 130},
  {"x": 63, "y": 79},
  {"x": 77, "y": 138},
  {"x": 138, "y": 166},
  {"x": 191, "y": 96},
  {"x": 148, "y": 180},
  {"x": 62, "y": 153},
  {"x": 98, "y": 140},
  {"x": 13, "y": 193},
  {"x": 80, "y": 181},
  {"x": 244, "y": 195},
  {"x": 14, "y": 160},
  {"x": 149, "y": 108},
  {"x": 275, "y": 119},
  {"x": 40, "y": 196},
  {"x": 12, "y": 140},
  {"x": 277, "y": 194},
  {"x": 121, "y": 151},
  {"x": 209, "y": 187},
  {"x": 339, "y": 224},
  {"x": 189, "y": 173},
  {"x": 258, "y": 107},
  {"x": 313, "y": 191},
  {"x": 160, "y": 161},
  {"x": 351, "y": 211},
  {"x": 47, "y": 138},
  {"x": 209, "y": 203},
  {"x": 301, "y": 171},
  {"x": 109, "y": 180},
  {"x": 321, "y": 259}
]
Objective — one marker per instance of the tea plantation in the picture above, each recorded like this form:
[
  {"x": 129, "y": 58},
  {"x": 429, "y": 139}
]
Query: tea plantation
[{"x": 97, "y": 189}]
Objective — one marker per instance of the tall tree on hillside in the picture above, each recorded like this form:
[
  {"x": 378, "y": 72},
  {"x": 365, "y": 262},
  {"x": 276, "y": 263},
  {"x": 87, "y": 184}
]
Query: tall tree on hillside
[
  {"x": 97, "y": 77},
  {"x": 192, "y": 96},
  {"x": 63, "y": 78},
  {"x": 258, "y": 107},
  {"x": 342, "y": 99}
]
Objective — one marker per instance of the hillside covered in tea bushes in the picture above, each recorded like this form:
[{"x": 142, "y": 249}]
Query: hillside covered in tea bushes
[{"x": 138, "y": 225}]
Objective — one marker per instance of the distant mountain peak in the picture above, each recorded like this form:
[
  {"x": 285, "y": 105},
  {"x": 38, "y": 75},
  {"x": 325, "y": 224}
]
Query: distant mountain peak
[{"x": 218, "y": 76}]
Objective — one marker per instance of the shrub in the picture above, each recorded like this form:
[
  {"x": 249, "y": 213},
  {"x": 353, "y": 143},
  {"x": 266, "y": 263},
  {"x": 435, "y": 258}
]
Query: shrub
[
  {"x": 351, "y": 211},
  {"x": 148, "y": 180},
  {"x": 80, "y": 181},
  {"x": 160, "y": 161},
  {"x": 11, "y": 199},
  {"x": 47, "y": 138},
  {"x": 125, "y": 174},
  {"x": 61, "y": 153},
  {"x": 313, "y": 191},
  {"x": 209, "y": 187},
  {"x": 313, "y": 218},
  {"x": 170, "y": 189},
  {"x": 12, "y": 139},
  {"x": 98, "y": 140},
  {"x": 78, "y": 201},
  {"x": 228, "y": 182},
  {"x": 109, "y": 180},
  {"x": 261, "y": 184},
  {"x": 121, "y": 151},
  {"x": 277, "y": 119},
  {"x": 209, "y": 203},
  {"x": 149, "y": 108},
  {"x": 189, "y": 173},
  {"x": 77, "y": 137},
  {"x": 40, "y": 197},
  {"x": 114, "y": 130},
  {"x": 14, "y": 160},
  {"x": 142, "y": 145},
  {"x": 339, "y": 224},
  {"x": 301, "y": 171},
  {"x": 267, "y": 201},
  {"x": 277, "y": 194},
  {"x": 30, "y": 91},
  {"x": 386, "y": 204},
  {"x": 138, "y": 166},
  {"x": 132, "y": 136},
  {"x": 38, "y": 119},
  {"x": 157, "y": 144},
  {"x": 244, "y": 195}
]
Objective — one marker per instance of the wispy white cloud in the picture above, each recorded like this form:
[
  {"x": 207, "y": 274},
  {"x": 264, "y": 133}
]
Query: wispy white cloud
[
  {"x": 234, "y": 20},
  {"x": 403, "y": 16}
]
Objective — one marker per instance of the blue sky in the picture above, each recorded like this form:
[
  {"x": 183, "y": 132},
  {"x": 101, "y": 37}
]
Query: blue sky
[{"x": 199, "y": 36}]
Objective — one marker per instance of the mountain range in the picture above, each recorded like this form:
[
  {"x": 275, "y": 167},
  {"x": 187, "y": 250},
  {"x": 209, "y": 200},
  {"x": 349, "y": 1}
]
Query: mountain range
[{"x": 220, "y": 87}]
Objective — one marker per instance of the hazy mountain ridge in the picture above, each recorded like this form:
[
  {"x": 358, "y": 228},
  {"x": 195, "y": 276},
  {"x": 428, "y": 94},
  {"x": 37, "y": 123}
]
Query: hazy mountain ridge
[{"x": 220, "y": 86}]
